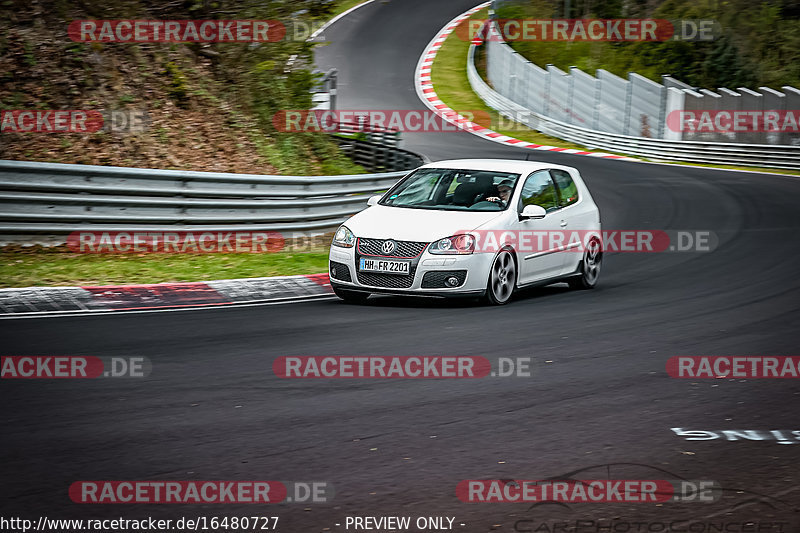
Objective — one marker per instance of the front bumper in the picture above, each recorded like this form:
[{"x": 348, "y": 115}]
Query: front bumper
[{"x": 475, "y": 269}]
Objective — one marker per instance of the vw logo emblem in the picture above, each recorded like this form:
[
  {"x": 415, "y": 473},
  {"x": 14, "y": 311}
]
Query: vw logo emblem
[{"x": 388, "y": 247}]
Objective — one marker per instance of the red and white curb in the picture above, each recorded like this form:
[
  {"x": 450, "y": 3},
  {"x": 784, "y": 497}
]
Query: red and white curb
[
  {"x": 44, "y": 301},
  {"x": 427, "y": 93}
]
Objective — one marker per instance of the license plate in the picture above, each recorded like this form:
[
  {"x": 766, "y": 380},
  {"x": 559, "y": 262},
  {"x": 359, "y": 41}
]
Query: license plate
[{"x": 384, "y": 266}]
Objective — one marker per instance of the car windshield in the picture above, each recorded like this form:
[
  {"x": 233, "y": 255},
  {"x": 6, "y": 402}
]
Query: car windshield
[{"x": 453, "y": 190}]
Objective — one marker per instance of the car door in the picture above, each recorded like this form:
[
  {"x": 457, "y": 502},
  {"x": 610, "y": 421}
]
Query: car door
[
  {"x": 537, "y": 259},
  {"x": 573, "y": 218}
]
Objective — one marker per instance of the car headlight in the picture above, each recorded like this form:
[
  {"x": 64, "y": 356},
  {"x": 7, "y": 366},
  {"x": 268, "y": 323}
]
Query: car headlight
[
  {"x": 455, "y": 245},
  {"x": 344, "y": 237}
]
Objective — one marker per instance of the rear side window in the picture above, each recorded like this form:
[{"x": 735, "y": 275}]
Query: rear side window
[
  {"x": 567, "y": 190},
  {"x": 539, "y": 190}
]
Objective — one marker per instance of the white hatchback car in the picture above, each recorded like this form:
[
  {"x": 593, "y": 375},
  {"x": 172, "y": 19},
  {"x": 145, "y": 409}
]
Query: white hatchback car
[{"x": 471, "y": 227}]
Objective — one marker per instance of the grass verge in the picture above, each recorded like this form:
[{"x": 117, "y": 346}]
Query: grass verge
[
  {"x": 449, "y": 77},
  {"x": 343, "y": 6},
  {"x": 56, "y": 267}
]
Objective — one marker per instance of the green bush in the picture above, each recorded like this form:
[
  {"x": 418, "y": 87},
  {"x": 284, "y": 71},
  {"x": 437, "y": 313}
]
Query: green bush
[{"x": 759, "y": 42}]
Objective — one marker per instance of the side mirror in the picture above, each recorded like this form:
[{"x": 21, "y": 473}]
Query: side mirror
[
  {"x": 532, "y": 211},
  {"x": 374, "y": 199}
]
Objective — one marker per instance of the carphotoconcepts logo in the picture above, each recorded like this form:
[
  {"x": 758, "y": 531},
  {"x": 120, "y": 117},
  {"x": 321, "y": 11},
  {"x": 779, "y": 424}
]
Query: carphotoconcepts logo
[
  {"x": 616, "y": 525},
  {"x": 740, "y": 367},
  {"x": 73, "y": 120},
  {"x": 589, "y": 30},
  {"x": 547, "y": 241},
  {"x": 734, "y": 120},
  {"x": 202, "y": 492},
  {"x": 176, "y": 31},
  {"x": 73, "y": 367},
  {"x": 399, "y": 367},
  {"x": 586, "y": 491},
  {"x": 376, "y": 120},
  {"x": 195, "y": 242}
]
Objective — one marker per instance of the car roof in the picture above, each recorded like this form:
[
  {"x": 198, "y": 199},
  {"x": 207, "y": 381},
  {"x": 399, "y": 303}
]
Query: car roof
[{"x": 497, "y": 165}]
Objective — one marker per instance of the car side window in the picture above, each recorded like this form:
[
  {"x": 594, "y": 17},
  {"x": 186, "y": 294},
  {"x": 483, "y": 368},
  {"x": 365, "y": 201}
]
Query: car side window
[
  {"x": 539, "y": 190},
  {"x": 567, "y": 190}
]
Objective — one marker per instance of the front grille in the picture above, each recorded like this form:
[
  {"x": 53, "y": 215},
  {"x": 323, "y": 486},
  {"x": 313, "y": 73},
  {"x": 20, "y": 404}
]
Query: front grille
[
  {"x": 406, "y": 249},
  {"x": 436, "y": 279},
  {"x": 389, "y": 281},
  {"x": 340, "y": 271}
]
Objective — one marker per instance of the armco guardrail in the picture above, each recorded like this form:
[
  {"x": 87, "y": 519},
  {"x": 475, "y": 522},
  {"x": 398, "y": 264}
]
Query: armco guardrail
[
  {"x": 57, "y": 199},
  {"x": 755, "y": 155},
  {"x": 383, "y": 156},
  {"x": 377, "y": 157}
]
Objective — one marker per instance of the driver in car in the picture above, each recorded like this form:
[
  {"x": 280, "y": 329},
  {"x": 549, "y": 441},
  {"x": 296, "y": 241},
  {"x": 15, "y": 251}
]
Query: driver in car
[{"x": 504, "y": 192}]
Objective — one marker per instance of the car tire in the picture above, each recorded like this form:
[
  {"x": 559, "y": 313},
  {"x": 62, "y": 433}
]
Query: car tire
[
  {"x": 589, "y": 267},
  {"x": 351, "y": 297},
  {"x": 502, "y": 279}
]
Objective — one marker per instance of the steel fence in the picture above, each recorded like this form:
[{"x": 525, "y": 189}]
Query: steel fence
[
  {"x": 57, "y": 199},
  {"x": 759, "y": 155},
  {"x": 635, "y": 106}
]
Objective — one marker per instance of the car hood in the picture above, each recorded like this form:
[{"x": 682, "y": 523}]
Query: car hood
[{"x": 404, "y": 224}]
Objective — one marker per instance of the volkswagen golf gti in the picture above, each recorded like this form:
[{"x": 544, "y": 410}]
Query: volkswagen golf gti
[{"x": 471, "y": 227}]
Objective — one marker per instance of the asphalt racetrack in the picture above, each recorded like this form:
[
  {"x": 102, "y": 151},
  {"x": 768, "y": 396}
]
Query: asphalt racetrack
[{"x": 598, "y": 396}]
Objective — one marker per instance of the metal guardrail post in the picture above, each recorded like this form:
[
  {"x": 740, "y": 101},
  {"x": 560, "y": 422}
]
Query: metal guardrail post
[
  {"x": 546, "y": 103},
  {"x": 627, "y": 114},
  {"x": 332, "y": 81}
]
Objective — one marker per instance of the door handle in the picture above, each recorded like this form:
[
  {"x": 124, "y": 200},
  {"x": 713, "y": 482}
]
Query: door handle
[{"x": 563, "y": 223}]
